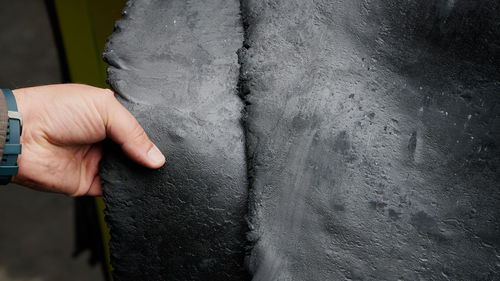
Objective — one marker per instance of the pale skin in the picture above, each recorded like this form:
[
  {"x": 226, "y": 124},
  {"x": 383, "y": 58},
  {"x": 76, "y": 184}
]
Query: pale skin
[{"x": 63, "y": 127}]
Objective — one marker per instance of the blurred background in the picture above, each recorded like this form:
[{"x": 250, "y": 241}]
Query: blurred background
[{"x": 49, "y": 236}]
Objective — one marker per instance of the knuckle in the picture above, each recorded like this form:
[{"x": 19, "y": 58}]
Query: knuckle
[
  {"x": 108, "y": 94},
  {"x": 138, "y": 133}
]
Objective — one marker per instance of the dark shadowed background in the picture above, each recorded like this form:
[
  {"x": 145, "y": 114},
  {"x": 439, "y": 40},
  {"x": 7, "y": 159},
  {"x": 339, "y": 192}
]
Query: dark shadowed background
[{"x": 36, "y": 229}]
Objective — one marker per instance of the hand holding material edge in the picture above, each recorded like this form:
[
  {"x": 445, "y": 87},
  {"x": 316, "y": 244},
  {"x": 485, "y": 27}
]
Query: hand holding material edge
[{"x": 63, "y": 127}]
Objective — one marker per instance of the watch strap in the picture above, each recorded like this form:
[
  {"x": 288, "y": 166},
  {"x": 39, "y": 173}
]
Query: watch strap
[{"x": 12, "y": 148}]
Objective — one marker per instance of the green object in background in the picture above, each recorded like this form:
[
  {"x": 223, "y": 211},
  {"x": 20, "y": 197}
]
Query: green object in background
[{"x": 85, "y": 26}]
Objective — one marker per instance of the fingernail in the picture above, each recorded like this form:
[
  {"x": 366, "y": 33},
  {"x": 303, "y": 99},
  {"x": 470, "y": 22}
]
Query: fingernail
[{"x": 156, "y": 156}]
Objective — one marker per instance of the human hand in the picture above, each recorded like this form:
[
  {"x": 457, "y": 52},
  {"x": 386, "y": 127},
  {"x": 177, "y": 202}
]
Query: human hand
[{"x": 63, "y": 126}]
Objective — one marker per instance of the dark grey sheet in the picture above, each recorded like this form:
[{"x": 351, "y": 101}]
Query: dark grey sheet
[
  {"x": 372, "y": 136},
  {"x": 373, "y": 132},
  {"x": 174, "y": 65}
]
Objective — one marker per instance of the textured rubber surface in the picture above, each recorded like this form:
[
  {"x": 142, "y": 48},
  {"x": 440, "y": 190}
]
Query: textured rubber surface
[
  {"x": 373, "y": 137},
  {"x": 174, "y": 65}
]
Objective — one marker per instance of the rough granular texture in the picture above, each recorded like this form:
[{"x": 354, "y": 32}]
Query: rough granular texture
[
  {"x": 373, "y": 136},
  {"x": 174, "y": 66},
  {"x": 372, "y": 133}
]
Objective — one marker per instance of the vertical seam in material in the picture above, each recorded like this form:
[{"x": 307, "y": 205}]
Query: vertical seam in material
[{"x": 243, "y": 90}]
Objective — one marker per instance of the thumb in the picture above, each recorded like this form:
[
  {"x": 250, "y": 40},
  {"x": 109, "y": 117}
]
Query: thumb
[{"x": 124, "y": 129}]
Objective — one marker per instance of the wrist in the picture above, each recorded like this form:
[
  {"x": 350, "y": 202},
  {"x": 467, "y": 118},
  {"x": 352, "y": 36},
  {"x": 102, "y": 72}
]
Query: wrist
[{"x": 19, "y": 96}]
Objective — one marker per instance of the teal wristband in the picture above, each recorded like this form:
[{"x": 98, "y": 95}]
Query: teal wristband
[{"x": 12, "y": 148}]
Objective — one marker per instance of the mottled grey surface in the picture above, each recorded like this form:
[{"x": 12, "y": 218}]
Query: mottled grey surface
[
  {"x": 174, "y": 65},
  {"x": 373, "y": 136}
]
